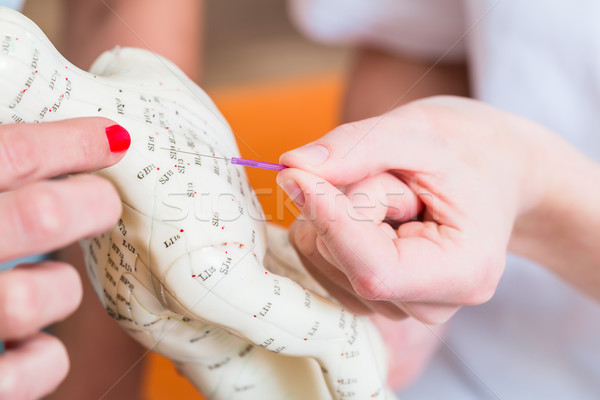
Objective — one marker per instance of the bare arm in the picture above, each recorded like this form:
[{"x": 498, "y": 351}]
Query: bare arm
[
  {"x": 563, "y": 231},
  {"x": 380, "y": 81},
  {"x": 171, "y": 29}
]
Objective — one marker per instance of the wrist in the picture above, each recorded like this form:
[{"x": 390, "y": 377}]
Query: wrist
[{"x": 559, "y": 227}]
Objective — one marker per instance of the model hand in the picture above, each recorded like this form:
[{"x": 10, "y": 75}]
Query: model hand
[
  {"x": 431, "y": 191},
  {"x": 38, "y": 216}
]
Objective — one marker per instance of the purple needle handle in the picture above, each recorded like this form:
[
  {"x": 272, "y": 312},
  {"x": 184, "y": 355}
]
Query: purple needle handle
[{"x": 257, "y": 164}]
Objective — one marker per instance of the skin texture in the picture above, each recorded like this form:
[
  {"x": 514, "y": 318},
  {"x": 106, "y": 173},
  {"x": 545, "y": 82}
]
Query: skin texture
[{"x": 35, "y": 295}]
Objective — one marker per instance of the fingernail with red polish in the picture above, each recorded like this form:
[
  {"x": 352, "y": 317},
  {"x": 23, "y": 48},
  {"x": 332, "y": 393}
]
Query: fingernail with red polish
[
  {"x": 118, "y": 138},
  {"x": 292, "y": 189}
]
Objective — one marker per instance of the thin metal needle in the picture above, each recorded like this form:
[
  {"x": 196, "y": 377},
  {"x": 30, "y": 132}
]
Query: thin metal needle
[
  {"x": 196, "y": 154},
  {"x": 238, "y": 161}
]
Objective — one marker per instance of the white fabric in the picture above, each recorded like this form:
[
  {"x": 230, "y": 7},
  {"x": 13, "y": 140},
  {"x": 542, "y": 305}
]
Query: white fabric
[
  {"x": 395, "y": 25},
  {"x": 537, "y": 338}
]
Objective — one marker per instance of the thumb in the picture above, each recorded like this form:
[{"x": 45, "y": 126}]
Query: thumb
[{"x": 354, "y": 151}]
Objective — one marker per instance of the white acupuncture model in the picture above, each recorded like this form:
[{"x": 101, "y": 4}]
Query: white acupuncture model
[{"x": 191, "y": 270}]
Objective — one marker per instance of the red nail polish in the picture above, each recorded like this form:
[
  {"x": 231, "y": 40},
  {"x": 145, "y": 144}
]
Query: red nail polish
[{"x": 118, "y": 138}]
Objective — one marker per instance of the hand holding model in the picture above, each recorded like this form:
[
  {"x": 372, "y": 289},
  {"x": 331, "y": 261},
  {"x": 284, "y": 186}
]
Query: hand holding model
[
  {"x": 41, "y": 215},
  {"x": 183, "y": 269}
]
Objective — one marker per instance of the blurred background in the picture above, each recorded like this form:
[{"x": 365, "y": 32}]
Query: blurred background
[
  {"x": 246, "y": 42},
  {"x": 277, "y": 89}
]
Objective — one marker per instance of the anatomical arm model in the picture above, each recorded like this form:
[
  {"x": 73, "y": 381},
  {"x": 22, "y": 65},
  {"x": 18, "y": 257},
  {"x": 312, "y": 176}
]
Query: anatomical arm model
[
  {"x": 183, "y": 271},
  {"x": 91, "y": 27}
]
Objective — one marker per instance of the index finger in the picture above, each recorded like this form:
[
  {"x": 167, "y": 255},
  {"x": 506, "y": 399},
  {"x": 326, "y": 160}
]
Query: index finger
[{"x": 31, "y": 152}]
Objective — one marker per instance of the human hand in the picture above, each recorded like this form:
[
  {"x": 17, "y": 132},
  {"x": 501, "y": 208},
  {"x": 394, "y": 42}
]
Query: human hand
[
  {"x": 471, "y": 169},
  {"x": 38, "y": 216}
]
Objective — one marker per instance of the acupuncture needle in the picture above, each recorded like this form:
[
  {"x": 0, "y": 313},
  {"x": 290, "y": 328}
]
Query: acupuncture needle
[{"x": 238, "y": 161}]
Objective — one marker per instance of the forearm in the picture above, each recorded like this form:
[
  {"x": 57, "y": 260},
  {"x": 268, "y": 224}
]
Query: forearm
[
  {"x": 379, "y": 81},
  {"x": 563, "y": 232},
  {"x": 171, "y": 29}
]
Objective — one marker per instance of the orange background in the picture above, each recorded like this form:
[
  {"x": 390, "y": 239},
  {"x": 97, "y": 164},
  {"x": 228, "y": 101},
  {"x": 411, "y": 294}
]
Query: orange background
[{"x": 267, "y": 119}]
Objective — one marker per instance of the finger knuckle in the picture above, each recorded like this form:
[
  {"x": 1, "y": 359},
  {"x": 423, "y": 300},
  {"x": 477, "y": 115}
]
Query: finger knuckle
[
  {"x": 324, "y": 230},
  {"x": 483, "y": 286},
  {"x": 368, "y": 287},
  {"x": 40, "y": 214},
  {"x": 419, "y": 110},
  {"x": 425, "y": 116},
  {"x": 18, "y": 154},
  {"x": 352, "y": 131},
  {"x": 480, "y": 294}
]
